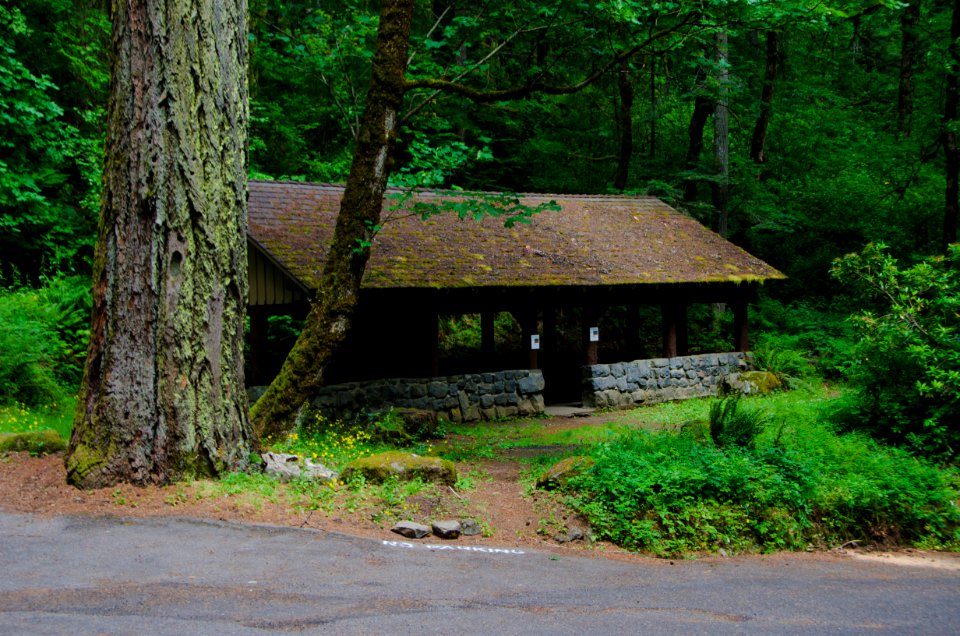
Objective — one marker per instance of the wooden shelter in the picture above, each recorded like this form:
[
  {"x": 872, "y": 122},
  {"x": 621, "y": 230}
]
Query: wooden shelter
[{"x": 592, "y": 253}]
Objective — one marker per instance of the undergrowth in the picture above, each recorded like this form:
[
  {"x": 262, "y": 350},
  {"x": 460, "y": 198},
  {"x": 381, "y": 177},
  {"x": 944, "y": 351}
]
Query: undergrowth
[{"x": 801, "y": 486}]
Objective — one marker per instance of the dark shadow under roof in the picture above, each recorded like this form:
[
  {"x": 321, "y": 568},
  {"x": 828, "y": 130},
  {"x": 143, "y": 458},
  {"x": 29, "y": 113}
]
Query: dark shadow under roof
[{"x": 590, "y": 241}]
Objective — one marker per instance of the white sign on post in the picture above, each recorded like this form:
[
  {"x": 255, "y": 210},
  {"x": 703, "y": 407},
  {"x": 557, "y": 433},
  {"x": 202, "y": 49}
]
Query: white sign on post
[
  {"x": 594, "y": 334},
  {"x": 535, "y": 341}
]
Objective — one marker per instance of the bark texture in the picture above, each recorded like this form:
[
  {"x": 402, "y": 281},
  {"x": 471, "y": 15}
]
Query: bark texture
[
  {"x": 702, "y": 109},
  {"x": 625, "y": 86},
  {"x": 163, "y": 394},
  {"x": 950, "y": 118},
  {"x": 330, "y": 317},
  {"x": 909, "y": 51},
  {"x": 759, "y": 140},
  {"x": 721, "y": 136}
]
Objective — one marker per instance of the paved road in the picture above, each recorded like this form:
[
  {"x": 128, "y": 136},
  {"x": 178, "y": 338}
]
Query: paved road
[{"x": 78, "y": 575}]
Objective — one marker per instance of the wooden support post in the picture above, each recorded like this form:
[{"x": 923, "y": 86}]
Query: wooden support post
[
  {"x": 683, "y": 346},
  {"x": 433, "y": 342},
  {"x": 590, "y": 349},
  {"x": 669, "y": 315},
  {"x": 548, "y": 343},
  {"x": 528, "y": 326},
  {"x": 633, "y": 332},
  {"x": 259, "y": 357},
  {"x": 740, "y": 329},
  {"x": 487, "y": 337}
]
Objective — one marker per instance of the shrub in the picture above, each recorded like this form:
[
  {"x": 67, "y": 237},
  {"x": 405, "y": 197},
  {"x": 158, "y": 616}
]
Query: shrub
[
  {"x": 43, "y": 337},
  {"x": 907, "y": 371},
  {"x": 731, "y": 425},
  {"x": 670, "y": 494}
]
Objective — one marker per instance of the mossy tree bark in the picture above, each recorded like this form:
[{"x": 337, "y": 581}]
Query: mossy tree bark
[
  {"x": 332, "y": 312},
  {"x": 162, "y": 394}
]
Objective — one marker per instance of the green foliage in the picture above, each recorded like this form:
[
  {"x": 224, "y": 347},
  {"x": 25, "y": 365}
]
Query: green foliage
[
  {"x": 907, "y": 370},
  {"x": 43, "y": 337},
  {"x": 52, "y": 87},
  {"x": 734, "y": 426},
  {"x": 669, "y": 494},
  {"x": 56, "y": 416},
  {"x": 333, "y": 444}
]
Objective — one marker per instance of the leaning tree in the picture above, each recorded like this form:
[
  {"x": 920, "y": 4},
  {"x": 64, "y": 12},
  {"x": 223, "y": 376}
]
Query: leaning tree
[
  {"x": 331, "y": 314},
  {"x": 162, "y": 394}
]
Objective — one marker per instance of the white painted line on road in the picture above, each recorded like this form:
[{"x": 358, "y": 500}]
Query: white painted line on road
[{"x": 451, "y": 548}]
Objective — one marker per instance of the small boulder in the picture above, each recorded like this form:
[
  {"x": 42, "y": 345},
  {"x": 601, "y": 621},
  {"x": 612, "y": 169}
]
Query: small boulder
[
  {"x": 758, "y": 382},
  {"x": 447, "y": 529},
  {"x": 34, "y": 442},
  {"x": 398, "y": 426},
  {"x": 573, "y": 534},
  {"x": 410, "y": 529},
  {"x": 286, "y": 467},
  {"x": 560, "y": 473},
  {"x": 405, "y": 466},
  {"x": 470, "y": 528}
]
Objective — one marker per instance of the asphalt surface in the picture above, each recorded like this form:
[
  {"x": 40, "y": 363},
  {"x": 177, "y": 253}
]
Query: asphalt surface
[{"x": 79, "y": 575}]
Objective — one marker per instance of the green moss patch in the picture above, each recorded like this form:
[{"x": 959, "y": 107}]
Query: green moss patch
[
  {"x": 560, "y": 473},
  {"x": 404, "y": 466},
  {"x": 34, "y": 442}
]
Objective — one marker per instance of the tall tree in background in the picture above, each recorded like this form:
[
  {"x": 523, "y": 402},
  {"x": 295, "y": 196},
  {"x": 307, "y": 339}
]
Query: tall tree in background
[
  {"x": 162, "y": 394},
  {"x": 759, "y": 140},
  {"x": 950, "y": 123}
]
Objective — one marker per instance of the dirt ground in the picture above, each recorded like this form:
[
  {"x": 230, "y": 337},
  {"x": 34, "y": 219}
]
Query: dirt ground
[
  {"x": 497, "y": 501},
  {"x": 510, "y": 516}
]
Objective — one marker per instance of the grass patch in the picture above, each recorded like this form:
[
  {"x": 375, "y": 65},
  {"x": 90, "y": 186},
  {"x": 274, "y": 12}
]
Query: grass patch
[{"x": 56, "y": 416}]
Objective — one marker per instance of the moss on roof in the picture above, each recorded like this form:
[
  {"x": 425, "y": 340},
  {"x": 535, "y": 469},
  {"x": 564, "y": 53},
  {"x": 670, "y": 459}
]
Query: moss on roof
[{"x": 590, "y": 240}]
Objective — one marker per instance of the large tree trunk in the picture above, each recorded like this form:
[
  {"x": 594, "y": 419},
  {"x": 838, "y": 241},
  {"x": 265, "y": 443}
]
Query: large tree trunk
[
  {"x": 702, "y": 108},
  {"x": 909, "y": 49},
  {"x": 759, "y": 141},
  {"x": 625, "y": 84},
  {"x": 162, "y": 394},
  {"x": 332, "y": 312},
  {"x": 721, "y": 137},
  {"x": 950, "y": 148}
]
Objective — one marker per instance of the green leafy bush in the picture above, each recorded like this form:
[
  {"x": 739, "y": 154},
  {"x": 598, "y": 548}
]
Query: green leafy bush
[
  {"x": 43, "y": 336},
  {"x": 670, "y": 494},
  {"x": 907, "y": 370},
  {"x": 731, "y": 425}
]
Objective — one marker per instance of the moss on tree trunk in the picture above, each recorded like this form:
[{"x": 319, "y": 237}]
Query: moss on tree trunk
[
  {"x": 332, "y": 312},
  {"x": 162, "y": 394}
]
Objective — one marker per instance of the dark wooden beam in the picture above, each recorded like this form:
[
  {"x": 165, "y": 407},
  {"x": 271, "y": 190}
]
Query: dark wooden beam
[
  {"x": 528, "y": 326},
  {"x": 674, "y": 314},
  {"x": 741, "y": 340},
  {"x": 259, "y": 356},
  {"x": 591, "y": 318}
]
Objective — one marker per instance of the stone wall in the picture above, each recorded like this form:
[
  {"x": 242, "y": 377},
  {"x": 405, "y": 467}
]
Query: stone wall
[
  {"x": 459, "y": 398},
  {"x": 625, "y": 384}
]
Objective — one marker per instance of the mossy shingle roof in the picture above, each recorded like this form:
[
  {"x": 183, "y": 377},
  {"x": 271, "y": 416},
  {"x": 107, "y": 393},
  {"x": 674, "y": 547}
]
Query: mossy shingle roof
[{"x": 591, "y": 240}]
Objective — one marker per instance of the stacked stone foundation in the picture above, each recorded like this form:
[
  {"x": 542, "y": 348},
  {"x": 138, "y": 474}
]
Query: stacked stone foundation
[
  {"x": 626, "y": 384},
  {"x": 458, "y": 398}
]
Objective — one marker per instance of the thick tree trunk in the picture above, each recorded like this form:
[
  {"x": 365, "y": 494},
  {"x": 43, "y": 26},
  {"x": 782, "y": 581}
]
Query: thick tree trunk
[
  {"x": 721, "y": 137},
  {"x": 950, "y": 119},
  {"x": 909, "y": 49},
  {"x": 625, "y": 84},
  {"x": 702, "y": 109},
  {"x": 162, "y": 394},
  {"x": 759, "y": 141},
  {"x": 332, "y": 312}
]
